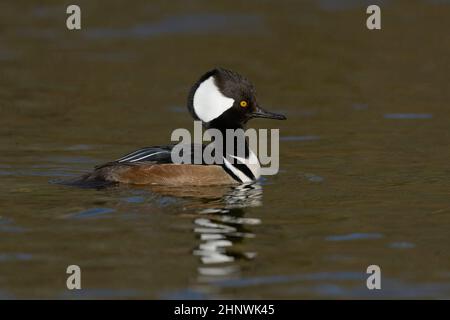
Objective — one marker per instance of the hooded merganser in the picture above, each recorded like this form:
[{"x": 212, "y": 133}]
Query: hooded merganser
[{"x": 221, "y": 99}]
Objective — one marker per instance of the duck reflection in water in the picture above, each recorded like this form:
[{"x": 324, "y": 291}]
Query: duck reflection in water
[
  {"x": 219, "y": 222},
  {"x": 222, "y": 227}
]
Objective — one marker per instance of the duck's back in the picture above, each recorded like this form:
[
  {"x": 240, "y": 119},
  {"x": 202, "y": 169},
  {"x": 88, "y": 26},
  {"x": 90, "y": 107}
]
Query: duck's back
[{"x": 154, "y": 165}]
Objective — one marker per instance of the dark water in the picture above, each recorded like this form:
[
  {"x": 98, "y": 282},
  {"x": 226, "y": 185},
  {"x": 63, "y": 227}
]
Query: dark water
[{"x": 364, "y": 179}]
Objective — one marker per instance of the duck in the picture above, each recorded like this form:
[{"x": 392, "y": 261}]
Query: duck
[{"x": 221, "y": 99}]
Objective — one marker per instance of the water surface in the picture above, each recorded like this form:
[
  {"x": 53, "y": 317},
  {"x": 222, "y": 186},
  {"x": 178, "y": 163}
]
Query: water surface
[{"x": 364, "y": 155}]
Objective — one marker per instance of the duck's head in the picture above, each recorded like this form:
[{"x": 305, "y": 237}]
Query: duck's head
[{"x": 223, "y": 99}]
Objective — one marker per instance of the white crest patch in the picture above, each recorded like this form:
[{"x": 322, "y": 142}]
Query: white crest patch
[{"x": 209, "y": 102}]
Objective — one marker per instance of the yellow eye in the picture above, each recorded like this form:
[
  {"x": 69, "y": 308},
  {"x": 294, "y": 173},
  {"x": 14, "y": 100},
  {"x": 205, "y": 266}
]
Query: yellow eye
[{"x": 243, "y": 103}]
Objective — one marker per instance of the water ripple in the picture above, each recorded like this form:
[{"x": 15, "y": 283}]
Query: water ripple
[
  {"x": 185, "y": 24},
  {"x": 92, "y": 213},
  {"x": 408, "y": 116},
  {"x": 354, "y": 236}
]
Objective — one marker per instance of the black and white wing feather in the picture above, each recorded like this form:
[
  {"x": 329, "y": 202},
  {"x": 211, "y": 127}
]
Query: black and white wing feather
[
  {"x": 158, "y": 154},
  {"x": 153, "y": 155}
]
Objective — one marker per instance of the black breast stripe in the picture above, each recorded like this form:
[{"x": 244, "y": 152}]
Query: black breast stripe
[
  {"x": 227, "y": 170},
  {"x": 244, "y": 169},
  {"x": 239, "y": 165}
]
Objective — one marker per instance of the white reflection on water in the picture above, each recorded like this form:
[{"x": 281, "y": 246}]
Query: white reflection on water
[{"x": 220, "y": 229}]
